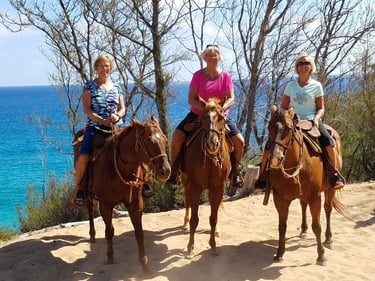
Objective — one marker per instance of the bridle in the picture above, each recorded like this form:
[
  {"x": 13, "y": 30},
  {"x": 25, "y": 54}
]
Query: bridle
[
  {"x": 215, "y": 155},
  {"x": 140, "y": 143},
  {"x": 294, "y": 135}
]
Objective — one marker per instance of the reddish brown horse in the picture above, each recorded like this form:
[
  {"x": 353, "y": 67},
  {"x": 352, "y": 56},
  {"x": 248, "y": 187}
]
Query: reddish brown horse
[
  {"x": 117, "y": 173},
  {"x": 206, "y": 165},
  {"x": 297, "y": 170}
]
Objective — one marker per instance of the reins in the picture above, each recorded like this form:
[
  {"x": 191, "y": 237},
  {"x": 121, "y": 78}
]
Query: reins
[
  {"x": 215, "y": 157},
  {"x": 139, "y": 140},
  {"x": 299, "y": 165}
]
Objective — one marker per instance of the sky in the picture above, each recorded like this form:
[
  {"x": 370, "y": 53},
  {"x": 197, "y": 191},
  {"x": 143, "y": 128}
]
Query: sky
[{"x": 23, "y": 63}]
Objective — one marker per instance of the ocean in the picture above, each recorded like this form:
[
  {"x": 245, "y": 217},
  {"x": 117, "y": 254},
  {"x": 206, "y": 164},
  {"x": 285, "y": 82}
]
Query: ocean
[{"x": 26, "y": 160}]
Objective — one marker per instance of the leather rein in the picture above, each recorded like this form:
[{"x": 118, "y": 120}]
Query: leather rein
[
  {"x": 217, "y": 156},
  {"x": 293, "y": 134},
  {"x": 138, "y": 180}
]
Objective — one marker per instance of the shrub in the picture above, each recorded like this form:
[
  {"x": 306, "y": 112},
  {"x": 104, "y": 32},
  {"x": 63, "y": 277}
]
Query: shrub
[
  {"x": 6, "y": 234},
  {"x": 49, "y": 208}
]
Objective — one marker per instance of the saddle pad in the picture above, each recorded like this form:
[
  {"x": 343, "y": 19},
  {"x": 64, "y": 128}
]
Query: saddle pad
[{"x": 312, "y": 142}]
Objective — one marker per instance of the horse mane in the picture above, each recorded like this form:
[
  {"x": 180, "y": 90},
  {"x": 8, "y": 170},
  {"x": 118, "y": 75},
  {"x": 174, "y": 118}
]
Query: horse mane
[{"x": 213, "y": 102}]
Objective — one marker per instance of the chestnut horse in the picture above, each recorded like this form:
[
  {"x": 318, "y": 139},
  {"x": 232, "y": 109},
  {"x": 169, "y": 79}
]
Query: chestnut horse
[
  {"x": 116, "y": 175},
  {"x": 297, "y": 170},
  {"x": 206, "y": 165}
]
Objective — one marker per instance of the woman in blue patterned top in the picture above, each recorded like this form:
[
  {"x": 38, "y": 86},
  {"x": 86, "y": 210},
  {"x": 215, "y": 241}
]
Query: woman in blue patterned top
[
  {"x": 307, "y": 97},
  {"x": 103, "y": 103}
]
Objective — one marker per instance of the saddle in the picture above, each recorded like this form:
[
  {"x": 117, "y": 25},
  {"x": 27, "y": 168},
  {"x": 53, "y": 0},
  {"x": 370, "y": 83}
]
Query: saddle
[
  {"x": 101, "y": 136},
  {"x": 310, "y": 134}
]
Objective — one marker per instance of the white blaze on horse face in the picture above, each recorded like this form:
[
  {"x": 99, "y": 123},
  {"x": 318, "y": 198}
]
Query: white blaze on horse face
[
  {"x": 212, "y": 116},
  {"x": 277, "y": 154}
]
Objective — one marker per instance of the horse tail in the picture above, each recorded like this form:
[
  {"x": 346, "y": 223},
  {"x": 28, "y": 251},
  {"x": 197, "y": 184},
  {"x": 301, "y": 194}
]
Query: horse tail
[{"x": 341, "y": 208}]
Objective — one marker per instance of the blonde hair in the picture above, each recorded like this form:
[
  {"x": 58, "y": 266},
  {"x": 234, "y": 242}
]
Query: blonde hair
[
  {"x": 104, "y": 57},
  {"x": 308, "y": 58},
  {"x": 210, "y": 49}
]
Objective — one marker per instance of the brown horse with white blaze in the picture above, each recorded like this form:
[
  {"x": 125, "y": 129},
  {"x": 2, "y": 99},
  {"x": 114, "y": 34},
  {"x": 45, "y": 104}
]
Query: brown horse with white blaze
[
  {"x": 206, "y": 165},
  {"x": 117, "y": 173},
  {"x": 297, "y": 171}
]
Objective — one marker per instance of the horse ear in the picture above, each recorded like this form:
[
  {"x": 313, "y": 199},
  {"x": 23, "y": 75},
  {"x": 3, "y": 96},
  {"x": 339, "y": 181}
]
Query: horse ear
[
  {"x": 153, "y": 118},
  {"x": 291, "y": 111}
]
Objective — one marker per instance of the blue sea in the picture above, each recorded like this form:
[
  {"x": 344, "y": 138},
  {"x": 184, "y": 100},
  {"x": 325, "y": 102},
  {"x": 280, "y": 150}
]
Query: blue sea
[{"x": 26, "y": 160}]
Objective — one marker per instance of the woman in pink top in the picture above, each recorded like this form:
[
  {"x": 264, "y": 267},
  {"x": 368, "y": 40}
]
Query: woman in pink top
[{"x": 206, "y": 83}]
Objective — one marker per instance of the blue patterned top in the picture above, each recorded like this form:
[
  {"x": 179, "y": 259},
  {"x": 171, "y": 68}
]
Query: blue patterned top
[{"x": 103, "y": 102}]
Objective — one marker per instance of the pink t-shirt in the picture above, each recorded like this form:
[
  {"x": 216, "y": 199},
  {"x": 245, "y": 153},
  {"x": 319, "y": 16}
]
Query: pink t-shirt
[{"x": 208, "y": 88}]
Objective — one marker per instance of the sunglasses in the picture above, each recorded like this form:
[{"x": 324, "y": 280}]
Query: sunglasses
[
  {"x": 300, "y": 63},
  {"x": 210, "y": 46}
]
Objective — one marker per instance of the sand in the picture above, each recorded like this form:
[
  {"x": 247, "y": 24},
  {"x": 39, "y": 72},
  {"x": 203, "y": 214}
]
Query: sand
[{"x": 247, "y": 244}]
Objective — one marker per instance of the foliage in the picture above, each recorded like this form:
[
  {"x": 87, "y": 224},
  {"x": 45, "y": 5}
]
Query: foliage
[
  {"x": 6, "y": 234},
  {"x": 352, "y": 113},
  {"x": 49, "y": 209}
]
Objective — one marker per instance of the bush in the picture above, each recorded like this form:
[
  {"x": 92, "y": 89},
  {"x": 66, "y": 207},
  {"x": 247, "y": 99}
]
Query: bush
[
  {"x": 50, "y": 208},
  {"x": 6, "y": 234}
]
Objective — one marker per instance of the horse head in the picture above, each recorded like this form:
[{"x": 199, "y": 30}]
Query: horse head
[
  {"x": 213, "y": 124},
  {"x": 151, "y": 142},
  {"x": 281, "y": 128}
]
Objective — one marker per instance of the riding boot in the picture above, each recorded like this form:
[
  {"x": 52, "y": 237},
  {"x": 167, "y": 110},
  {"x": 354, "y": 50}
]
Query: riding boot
[
  {"x": 78, "y": 196},
  {"x": 237, "y": 181},
  {"x": 335, "y": 179},
  {"x": 178, "y": 139},
  {"x": 261, "y": 182},
  {"x": 235, "y": 176},
  {"x": 173, "y": 178}
]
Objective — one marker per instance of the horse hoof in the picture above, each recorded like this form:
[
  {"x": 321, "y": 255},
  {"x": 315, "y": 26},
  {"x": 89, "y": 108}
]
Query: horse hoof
[
  {"x": 190, "y": 255},
  {"x": 215, "y": 253},
  {"x": 321, "y": 261},
  {"x": 110, "y": 261},
  {"x": 277, "y": 259},
  {"x": 328, "y": 244}
]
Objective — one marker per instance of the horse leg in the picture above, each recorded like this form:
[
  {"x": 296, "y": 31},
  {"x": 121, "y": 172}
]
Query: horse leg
[
  {"x": 193, "y": 198},
  {"x": 187, "y": 214},
  {"x": 135, "y": 214},
  {"x": 304, "y": 220},
  {"x": 90, "y": 209},
  {"x": 106, "y": 213},
  {"x": 315, "y": 207},
  {"x": 329, "y": 195},
  {"x": 282, "y": 207},
  {"x": 215, "y": 200}
]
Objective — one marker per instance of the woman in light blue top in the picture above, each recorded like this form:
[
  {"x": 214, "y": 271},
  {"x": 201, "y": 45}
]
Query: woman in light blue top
[{"x": 307, "y": 97}]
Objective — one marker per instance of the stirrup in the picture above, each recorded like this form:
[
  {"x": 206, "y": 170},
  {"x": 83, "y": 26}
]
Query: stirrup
[
  {"x": 79, "y": 199},
  {"x": 173, "y": 180},
  {"x": 260, "y": 185},
  {"x": 336, "y": 182},
  {"x": 237, "y": 182}
]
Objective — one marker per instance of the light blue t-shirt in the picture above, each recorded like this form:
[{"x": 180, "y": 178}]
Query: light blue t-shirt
[{"x": 303, "y": 98}]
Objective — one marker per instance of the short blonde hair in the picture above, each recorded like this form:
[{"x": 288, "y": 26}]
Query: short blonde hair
[
  {"x": 308, "y": 58},
  {"x": 210, "y": 49},
  {"x": 106, "y": 58}
]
